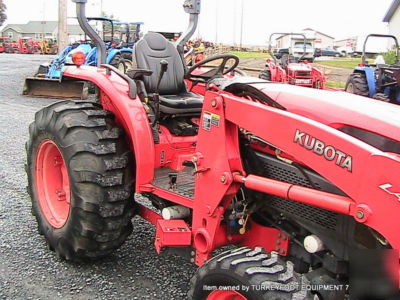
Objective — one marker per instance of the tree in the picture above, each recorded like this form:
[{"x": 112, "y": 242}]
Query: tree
[{"x": 3, "y": 16}]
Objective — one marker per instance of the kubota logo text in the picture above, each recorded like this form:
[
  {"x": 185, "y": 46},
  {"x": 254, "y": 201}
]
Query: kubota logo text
[{"x": 319, "y": 147}]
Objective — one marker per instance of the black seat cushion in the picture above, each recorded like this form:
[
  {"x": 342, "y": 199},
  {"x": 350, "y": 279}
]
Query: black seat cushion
[
  {"x": 181, "y": 103},
  {"x": 149, "y": 52}
]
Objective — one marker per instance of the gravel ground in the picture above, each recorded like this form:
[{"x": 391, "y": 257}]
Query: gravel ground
[{"x": 28, "y": 270}]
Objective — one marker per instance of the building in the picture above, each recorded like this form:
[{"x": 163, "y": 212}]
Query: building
[
  {"x": 349, "y": 42},
  {"x": 39, "y": 30},
  {"x": 392, "y": 17},
  {"x": 316, "y": 38}
]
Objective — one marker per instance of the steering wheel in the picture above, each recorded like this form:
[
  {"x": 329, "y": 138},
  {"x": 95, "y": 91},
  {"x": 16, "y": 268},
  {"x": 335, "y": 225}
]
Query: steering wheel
[{"x": 215, "y": 72}]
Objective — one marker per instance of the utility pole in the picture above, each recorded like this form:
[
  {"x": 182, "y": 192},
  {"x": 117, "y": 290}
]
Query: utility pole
[
  {"x": 234, "y": 22},
  {"x": 216, "y": 22},
  {"x": 241, "y": 28},
  {"x": 62, "y": 38}
]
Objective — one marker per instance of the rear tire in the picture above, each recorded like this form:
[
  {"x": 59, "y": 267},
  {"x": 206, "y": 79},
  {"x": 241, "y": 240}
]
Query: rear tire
[
  {"x": 127, "y": 56},
  {"x": 266, "y": 275},
  {"x": 99, "y": 166},
  {"x": 119, "y": 62},
  {"x": 265, "y": 74},
  {"x": 357, "y": 84}
]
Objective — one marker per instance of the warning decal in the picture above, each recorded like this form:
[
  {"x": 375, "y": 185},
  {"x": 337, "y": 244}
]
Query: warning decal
[{"x": 209, "y": 120}]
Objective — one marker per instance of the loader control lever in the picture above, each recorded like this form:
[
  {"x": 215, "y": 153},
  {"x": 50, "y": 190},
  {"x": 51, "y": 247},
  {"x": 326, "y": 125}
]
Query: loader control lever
[{"x": 156, "y": 95}]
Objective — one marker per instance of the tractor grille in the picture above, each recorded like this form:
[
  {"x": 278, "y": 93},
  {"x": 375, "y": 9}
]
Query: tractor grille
[
  {"x": 278, "y": 170},
  {"x": 303, "y": 74}
]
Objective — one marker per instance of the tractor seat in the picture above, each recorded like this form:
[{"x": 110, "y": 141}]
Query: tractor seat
[
  {"x": 181, "y": 103},
  {"x": 174, "y": 97}
]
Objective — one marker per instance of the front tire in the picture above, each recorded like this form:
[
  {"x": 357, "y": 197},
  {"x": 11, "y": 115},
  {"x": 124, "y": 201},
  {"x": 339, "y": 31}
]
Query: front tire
[
  {"x": 265, "y": 74},
  {"x": 246, "y": 274},
  {"x": 77, "y": 155}
]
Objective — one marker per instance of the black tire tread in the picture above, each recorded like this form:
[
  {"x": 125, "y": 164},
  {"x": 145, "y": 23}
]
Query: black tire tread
[
  {"x": 254, "y": 267},
  {"x": 102, "y": 191},
  {"x": 265, "y": 74},
  {"x": 360, "y": 84}
]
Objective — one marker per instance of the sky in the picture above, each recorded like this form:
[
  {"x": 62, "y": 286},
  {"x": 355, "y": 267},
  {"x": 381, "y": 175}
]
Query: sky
[{"x": 220, "y": 20}]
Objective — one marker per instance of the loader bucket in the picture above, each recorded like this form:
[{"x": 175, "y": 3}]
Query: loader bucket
[{"x": 54, "y": 88}]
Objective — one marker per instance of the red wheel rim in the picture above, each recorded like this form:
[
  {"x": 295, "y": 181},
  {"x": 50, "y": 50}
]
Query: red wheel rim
[
  {"x": 225, "y": 295},
  {"x": 52, "y": 184}
]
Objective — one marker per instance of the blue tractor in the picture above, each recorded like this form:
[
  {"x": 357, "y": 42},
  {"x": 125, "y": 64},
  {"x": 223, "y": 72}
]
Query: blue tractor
[
  {"x": 380, "y": 81},
  {"x": 46, "y": 82},
  {"x": 119, "y": 50}
]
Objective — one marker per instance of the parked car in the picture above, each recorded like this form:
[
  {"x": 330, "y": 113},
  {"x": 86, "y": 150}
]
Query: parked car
[{"x": 330, "y": 52}]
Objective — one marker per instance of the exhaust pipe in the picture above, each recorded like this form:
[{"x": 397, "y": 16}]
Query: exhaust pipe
[
  {"x": 83, "y": 22},
  {"x": 191, "y": 7}
]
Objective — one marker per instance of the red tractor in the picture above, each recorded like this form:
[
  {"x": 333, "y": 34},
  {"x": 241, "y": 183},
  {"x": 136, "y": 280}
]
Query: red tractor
[
  {"x": 27, "y": 45},
  {"x": 291, "y": 66},
  {"x": 305, "y": 182},
  {"x": 3, "y": 41}
]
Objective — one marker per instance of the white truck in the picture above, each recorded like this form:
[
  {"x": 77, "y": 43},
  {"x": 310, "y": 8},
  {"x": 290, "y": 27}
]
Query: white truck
[{"x": 295, "y": 44}]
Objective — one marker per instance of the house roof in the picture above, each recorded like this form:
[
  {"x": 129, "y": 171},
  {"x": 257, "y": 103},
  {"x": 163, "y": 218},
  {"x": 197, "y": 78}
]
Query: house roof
[
  {"x": 392, "y": 9},
  {"x": 33, "y": 27},
  {"x": 310, "y": 29},
  {"x": 42, "y": 27}
]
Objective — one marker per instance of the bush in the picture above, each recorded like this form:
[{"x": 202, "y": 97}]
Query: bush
[{"x": 390, "y": 57}]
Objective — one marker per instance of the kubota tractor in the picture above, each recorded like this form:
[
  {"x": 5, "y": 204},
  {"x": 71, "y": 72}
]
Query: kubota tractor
[
  {"x": 293, "y": 69},
  {"x": 27, "y": 45},
  {"x": 304, "y": 182}
]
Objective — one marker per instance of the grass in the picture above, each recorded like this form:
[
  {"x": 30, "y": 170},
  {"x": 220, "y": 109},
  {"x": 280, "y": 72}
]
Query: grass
[
  {"x": 335, "y": 84},
  {"x": 242, "y": 54},
  {"x": 346, "y": 63}
]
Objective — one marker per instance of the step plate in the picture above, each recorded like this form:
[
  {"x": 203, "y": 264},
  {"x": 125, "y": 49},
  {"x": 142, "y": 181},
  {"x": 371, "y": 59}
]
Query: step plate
[{"x": 184, "y": 182}]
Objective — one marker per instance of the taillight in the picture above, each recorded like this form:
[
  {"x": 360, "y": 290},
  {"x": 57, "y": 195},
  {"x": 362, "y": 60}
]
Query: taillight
[{"x": 78, "y": 58}]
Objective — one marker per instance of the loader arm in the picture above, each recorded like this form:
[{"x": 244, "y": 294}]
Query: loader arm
[{"x": 343, "y": 160}]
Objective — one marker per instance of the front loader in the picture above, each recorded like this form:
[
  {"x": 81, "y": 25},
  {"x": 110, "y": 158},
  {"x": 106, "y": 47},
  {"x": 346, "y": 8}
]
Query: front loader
[{"x": 301, "y": 184}]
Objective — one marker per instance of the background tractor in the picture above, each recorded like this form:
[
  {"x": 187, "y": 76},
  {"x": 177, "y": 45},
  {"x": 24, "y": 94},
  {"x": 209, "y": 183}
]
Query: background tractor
[
  {"x": 27, "y": 45},
  {"x": 46, "y": 82},
  {"x": 3, "y": 41},
  {"x": 302, "y": 185},
  {"x": 48, "y": 46},
  {"x": 381, "y": 80},
  {"x": 293, "y": 69}
]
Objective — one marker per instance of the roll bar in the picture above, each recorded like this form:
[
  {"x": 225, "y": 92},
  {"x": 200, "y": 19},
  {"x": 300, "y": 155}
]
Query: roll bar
[
  {"x": 364, "y": 56},
  {"x": 192, "y": 7},
  {"x": 83, "y": 22},
  {"x": 287, "y": 33}
]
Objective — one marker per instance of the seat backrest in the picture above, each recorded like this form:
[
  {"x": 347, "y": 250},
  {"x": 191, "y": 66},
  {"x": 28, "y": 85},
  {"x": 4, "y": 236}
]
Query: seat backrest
[{"x": 149, "y": 52}]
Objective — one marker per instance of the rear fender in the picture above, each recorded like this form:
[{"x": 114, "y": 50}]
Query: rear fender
[
  {"x": 370, "y": 75},
  {"x": 129, "y": 113},
  {"x": 112, "y": 54}
]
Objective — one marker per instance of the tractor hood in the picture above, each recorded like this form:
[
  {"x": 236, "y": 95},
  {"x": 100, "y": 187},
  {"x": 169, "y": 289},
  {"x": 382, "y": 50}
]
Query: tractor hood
[
  {"x": 332, "y": 108},
  {"x": 336, "y": 108},
  {"x": 299, "y": 67}
]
